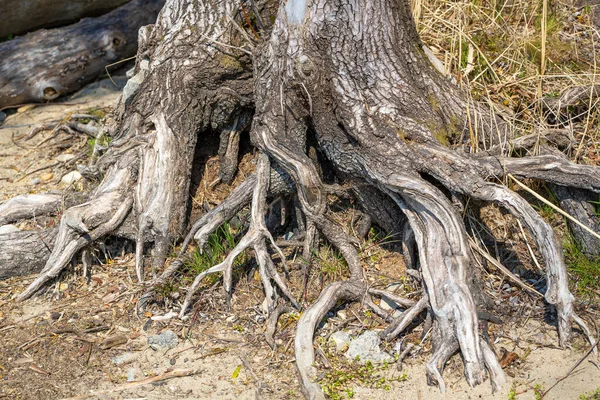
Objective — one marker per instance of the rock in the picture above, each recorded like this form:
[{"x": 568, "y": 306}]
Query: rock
[
  {"x": 341, "y": 340},
  {"x": 8, "y": 229},
  {"x": 2, "y": 116},
  {"x": 366, "y": 348},
  {"x": 46, "y": 176},
  {"x": 132, "y": 85},
  {"x": 65, "y": 157},
  {"x": 123, "y": 358},
  {"x": 71, "y": 177},
  {"x": 164, "y": 341}
]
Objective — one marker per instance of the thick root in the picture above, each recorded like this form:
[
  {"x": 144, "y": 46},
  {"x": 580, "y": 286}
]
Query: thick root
[
  {"x": 29, "y": 206},
  {"x": 305, "y": 353},
  {"x": 83, "y": 224}
]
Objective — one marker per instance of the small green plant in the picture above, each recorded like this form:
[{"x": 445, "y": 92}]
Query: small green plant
[
  {"x": 585, "y": 269},
  {"x": 595, "y": 395},
  {"x": 512, "y": 395},
  {"x": 330, "y": 263},
  {"x": 339, "y": 381},
  {"x": 218, "y": 245},
  {"x": 103, "y": 141},
  {"x": 538, "y": 391}
]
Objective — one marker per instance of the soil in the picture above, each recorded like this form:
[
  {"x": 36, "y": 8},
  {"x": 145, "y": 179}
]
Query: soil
[{"x": 53, "y": 346}]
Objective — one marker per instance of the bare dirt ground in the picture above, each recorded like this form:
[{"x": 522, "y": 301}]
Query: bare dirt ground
[{"x": 56, "y": 346}]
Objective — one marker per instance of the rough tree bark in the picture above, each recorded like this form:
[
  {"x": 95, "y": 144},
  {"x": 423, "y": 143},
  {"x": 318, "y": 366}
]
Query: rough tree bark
[{"x": 351, "y": 76}]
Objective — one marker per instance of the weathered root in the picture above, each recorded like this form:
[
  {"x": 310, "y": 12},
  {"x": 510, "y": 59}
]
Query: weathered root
[
  {"x": 405, "y": 319},
  {"x": 579, "y": 204},
  {"x": 83, "y": 224},
  {"x": 444, "y": 259},
  {"x": 29, "y": 206},
  {"x": 256, "y": 238},
  {"x": 272, "y": 323},
  {"x": 305, "y": 353},
  {"x": 558, "y": 293}
]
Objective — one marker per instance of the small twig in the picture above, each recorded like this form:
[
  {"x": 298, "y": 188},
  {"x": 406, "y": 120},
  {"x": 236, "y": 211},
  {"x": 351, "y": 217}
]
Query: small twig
[
  {"x": 557, "y": 209},
  {"x": 587, "y": 353},
  {"x": 177, "y": 373},
  {"x": 259, "y": 383},
  {"x": 403, "y": 355},
  {"x": 502, "y": 268}
]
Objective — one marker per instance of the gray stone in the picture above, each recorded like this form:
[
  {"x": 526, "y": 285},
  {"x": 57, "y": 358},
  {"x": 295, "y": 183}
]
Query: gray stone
[
  {"x": 134, "y": 83},
  {"x": 366, "y": 348},
  {"x": 71, "y": 177},
  {"x": 164, "y": 341},
  {"x": 341, "y": 340}
]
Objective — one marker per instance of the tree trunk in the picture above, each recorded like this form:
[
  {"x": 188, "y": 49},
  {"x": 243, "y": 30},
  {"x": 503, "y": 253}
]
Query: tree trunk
[
  {"x": 45, "y": 64},
  {"x": 24, "y": 16},
  {"x": 351, "y": 77}
]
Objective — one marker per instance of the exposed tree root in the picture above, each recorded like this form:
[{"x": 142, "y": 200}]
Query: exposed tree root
[
  {"x": 388, "y": 126},
  {"x": 83, "y": 224},
  {"x": 305, "y": 353},
  {"x": 29, "y": 206},
  {"x": 256, "y": 238}
]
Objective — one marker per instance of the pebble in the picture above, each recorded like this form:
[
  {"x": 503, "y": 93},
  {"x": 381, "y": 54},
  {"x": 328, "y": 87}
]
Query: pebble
[
  {"x": 71, "y": 177},
  {"x": 65, "y": 157},
  {"x": 123, "y": 358},
  {"x": 131, "y": 375},
  {"x": 388, "y": 305},
  {"x": 46, "y": 176},
  {"x": 341, "y": 340},
  {"x": 164, "y": 341}
]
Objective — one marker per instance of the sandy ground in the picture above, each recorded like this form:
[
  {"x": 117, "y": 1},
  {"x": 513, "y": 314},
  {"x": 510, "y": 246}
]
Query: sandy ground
[{"x": 52, "y": 347}]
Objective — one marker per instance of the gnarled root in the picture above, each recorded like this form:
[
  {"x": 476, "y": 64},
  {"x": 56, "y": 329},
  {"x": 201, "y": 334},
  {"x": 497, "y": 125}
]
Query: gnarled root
[
  {"x": 305, "y": 354},
  {"x": 256, "y": 238},
  {"x": 85, "y": 223},
  {"x": 29, "y": 206}
]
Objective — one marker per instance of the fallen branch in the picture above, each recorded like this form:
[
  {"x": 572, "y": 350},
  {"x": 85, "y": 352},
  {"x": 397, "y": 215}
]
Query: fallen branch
[{"x": 177, "y": 373}]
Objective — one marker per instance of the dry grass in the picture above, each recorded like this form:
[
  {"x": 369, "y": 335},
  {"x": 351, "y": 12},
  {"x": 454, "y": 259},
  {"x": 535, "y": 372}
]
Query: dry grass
[{"x": 513, "y": 54}]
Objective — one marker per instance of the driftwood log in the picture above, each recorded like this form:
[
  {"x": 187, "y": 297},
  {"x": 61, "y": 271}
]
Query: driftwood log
[
  {"x": 24, "y": 16},
  {"x": 349, "y": 78},
  {"x": 45, "y": 64}
]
